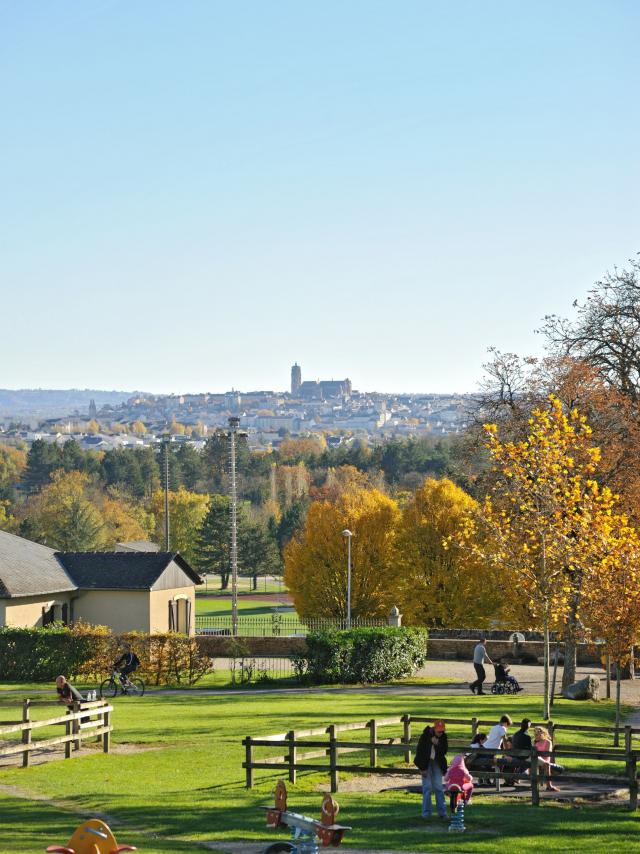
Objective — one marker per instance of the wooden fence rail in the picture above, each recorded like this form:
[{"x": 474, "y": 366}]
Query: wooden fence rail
[
  {"x": 83, "y": 720},
  {"x": 330, "y": 748}
]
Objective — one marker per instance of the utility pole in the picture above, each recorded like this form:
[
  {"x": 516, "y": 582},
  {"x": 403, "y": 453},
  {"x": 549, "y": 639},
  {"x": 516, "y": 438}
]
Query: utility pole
[{"x": 165, "y": 448}]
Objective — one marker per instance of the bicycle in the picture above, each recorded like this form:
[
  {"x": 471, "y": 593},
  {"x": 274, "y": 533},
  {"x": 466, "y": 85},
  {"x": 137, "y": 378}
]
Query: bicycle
[{"x": 130, "y": 687}]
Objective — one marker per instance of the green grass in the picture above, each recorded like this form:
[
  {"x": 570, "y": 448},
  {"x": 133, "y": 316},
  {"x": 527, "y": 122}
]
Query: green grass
[
  {"x": 212, "y": 586},
  {"x": 189, "y": 785},
  {"x": 216, "y": 606}
]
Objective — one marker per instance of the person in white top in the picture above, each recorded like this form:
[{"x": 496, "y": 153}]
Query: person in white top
[
  {"x": 479, "y": 658},
  {"x": 497, "y": 733}
]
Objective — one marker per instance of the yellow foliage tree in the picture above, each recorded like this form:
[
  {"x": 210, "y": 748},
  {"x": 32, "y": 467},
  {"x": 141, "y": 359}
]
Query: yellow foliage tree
[
  {"x": 443, "y": 586},
  {"x": 125, "y": 520},
  {"x": 535, "y": 522},
  {"x": 186, "y": 512},
  {"x": 138, "y": 427},
  {"x": 316, "y": 561},
  {"x": 611, "y": 604},
  {"x": 63, "y": 515}
]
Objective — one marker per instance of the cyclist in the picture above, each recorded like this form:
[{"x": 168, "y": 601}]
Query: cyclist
[{"x": 126, "y": 664}]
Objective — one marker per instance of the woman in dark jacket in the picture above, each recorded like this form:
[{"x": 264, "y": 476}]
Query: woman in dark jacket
[{"x": 431, "y": 759}]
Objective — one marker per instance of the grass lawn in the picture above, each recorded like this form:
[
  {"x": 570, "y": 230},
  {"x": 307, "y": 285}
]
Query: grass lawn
[
  {"x": 175, "y": 777},
  {"x": 217, "y": 606},
  {"x": 212, "y": 586}
]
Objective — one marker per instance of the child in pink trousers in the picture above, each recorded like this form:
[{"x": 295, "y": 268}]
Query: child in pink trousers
[{"x": 458, "y": 781}]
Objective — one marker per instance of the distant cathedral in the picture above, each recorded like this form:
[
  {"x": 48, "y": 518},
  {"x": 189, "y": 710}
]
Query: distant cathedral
[
  {"x": 317, "y": 389},
  {"x": 296, "y": 379}
]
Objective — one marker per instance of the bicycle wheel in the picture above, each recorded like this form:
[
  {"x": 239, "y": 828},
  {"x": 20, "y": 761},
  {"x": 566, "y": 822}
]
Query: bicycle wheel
[
  {"x": 135, "y": 687},
  {"x": 108, "y": 689}
]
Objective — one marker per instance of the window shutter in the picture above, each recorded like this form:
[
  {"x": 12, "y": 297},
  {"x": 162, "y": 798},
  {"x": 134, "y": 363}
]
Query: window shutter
[
  {"x": 172, "y": 616},
  {"x": 187, "y": 612},
  {"x": 65, "y": 613}
]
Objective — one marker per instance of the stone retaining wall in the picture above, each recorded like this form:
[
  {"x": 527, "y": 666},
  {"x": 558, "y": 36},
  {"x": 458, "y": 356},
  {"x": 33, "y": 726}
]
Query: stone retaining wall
[{"x": 462, "y": 650}]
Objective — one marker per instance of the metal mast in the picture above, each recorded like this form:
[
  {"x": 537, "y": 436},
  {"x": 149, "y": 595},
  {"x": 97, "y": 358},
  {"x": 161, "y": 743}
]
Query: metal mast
[
  {"x": 234, "y": 424},
  {"x": 165, "y": 445}
]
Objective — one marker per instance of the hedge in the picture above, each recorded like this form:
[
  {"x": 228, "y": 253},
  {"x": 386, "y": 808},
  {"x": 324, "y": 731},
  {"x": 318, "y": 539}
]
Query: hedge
[
  {"x": 363, "y": 655},
  {"x": 88, "y": 652}
]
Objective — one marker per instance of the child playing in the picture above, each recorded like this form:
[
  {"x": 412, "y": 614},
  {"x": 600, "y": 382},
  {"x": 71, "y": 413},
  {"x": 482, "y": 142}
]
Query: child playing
[{"x": 458, "y": 781}]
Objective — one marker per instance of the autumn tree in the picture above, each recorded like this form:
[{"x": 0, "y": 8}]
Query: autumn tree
[
  {"x": 13, "y": 462},
  {"x": 443, "y": 586},
  {"x": 186, "y": 512},
  {"x": 538, "y": 511},
  {"x": 316, "y": 559},
  {"x": 63, "y": 516},
  {"x": 611, "y": 605}
]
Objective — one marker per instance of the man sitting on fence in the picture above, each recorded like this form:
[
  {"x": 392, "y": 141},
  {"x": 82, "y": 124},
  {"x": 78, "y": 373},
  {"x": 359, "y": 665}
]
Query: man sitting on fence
[{"x": 67, "y": 694}]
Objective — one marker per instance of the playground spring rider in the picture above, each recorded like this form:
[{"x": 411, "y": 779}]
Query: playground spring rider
[
  {"x": 304, "y": 829},
  {"x": 92, "y": 837},
  {"x": 457, "y": 819}
]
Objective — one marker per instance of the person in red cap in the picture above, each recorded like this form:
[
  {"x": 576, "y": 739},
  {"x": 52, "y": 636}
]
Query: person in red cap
[{"x": 431, "y": 759}]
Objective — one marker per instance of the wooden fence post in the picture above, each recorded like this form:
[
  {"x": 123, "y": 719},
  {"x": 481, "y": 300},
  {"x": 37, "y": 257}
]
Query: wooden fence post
[
  {"x": 406, "y": 737},
  {"x": 292, "y": 755},
  {"x": 106, "y": 736},
  {"x": 535, "y": 791},
  {"x": 633, "y": 781},
  {"x": 373, "y": 737},
  {"x": 76, "y": 725},
  {"x": 248, "y": 762},
  {"x": 68, "y": 730},
  {"x": 627, "y": 739},
  {"x": 333, "y": 758},
  {"x": 26, "y": 733}
]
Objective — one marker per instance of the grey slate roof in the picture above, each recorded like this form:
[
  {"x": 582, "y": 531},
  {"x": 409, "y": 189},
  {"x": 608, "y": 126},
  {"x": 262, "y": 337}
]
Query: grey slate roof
[
  {"x": 137, "y": 546},
  {"x": 121, "y": 570},
  {"x": 29, "y": 569}
]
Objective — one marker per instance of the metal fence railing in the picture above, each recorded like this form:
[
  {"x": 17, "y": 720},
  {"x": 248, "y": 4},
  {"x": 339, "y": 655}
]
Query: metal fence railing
[{"x": 276, "y": 625}]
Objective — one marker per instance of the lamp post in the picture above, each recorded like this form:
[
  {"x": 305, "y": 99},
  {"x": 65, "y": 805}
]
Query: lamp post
[{"x": 347, "y": 533}]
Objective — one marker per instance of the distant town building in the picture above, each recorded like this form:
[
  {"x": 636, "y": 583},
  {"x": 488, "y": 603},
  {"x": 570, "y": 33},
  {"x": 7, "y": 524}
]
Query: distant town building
[
  {"x": 324, "y": 389},
  {"x": 296, "y": 379}
]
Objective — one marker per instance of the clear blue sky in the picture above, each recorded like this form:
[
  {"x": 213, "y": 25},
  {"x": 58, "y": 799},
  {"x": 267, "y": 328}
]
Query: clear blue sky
[{"x": 193, "y": 195}]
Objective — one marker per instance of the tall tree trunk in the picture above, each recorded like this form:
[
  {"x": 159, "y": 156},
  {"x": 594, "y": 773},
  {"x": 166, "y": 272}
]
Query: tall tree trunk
[
  {"x": 618, "y": 680},
  {"x": 547, "y": 711},
  {"x": 570, "y": 632},
  {"x": 224, "y": 580},
  {"x": 254, "y": 582}
]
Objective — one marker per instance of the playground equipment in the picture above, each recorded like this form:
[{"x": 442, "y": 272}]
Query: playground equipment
[
  {"x": 457, "y": 819},
  {"x": 305, "y": 831},
  {"x": 92, "y": 837}
]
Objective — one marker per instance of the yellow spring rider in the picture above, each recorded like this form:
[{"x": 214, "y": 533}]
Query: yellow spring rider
[{"x": 92, "y": 837}]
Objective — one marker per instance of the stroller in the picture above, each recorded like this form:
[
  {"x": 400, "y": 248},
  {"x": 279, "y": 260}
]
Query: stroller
[{"x": 504, "y": 684}]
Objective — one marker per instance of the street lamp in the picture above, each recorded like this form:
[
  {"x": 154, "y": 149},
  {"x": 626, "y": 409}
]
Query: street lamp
[{"x": 347, "y": 533}]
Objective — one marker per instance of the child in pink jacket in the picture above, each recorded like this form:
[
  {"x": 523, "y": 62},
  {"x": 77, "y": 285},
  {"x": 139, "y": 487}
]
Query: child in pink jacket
[{"x": 458, "y": 781}]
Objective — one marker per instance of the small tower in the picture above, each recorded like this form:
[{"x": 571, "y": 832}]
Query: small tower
[
  {"x": 296, "y": 379},
  {"x": 93, "y": 410}
]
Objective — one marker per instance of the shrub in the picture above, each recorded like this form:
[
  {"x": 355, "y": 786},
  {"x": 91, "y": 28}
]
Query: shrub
[
  {"x": 364, "y": 655},
  {"x": 88, "y": 652}
]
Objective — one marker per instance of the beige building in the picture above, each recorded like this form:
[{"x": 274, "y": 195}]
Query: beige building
[{"x": 127, "y": 591}]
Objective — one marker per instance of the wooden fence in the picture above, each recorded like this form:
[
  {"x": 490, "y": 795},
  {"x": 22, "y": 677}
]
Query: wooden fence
[
  {"x": 83, "y": 720},
  {"x": 330, "y": 748}
]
